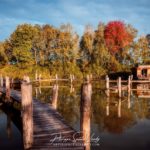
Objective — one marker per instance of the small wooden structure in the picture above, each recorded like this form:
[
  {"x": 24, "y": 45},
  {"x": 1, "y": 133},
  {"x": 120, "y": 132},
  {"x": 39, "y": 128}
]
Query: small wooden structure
[
  {"x": 143, "y": 90},
  {"x": 143, "y": 72}
]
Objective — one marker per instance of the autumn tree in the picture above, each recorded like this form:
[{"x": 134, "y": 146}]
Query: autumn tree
[
  {"x": 117, "y": 37},
  {"x": 21, "y": 41},
  {"x": 3, "y": 56},
  {"x": 144, "y": 50},
  {"x": 86, "y": 47},
  {"x": 100, "y": 55},
  {"x": 66, "y": 49}
]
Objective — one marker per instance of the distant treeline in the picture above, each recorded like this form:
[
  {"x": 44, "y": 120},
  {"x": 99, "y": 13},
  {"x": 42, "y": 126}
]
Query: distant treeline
[{"x": 112, "y": 47}]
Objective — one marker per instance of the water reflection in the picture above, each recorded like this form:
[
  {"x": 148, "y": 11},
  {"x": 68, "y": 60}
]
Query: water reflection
[
  {"x": 10, "y": 133},
  {"x": 9, "y": 129},
  {"x": 143, "y": 90},
  {"x": 114, "y": 120}
]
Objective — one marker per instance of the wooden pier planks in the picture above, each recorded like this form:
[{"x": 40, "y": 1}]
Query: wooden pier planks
[{"x": 48, "y": 125}]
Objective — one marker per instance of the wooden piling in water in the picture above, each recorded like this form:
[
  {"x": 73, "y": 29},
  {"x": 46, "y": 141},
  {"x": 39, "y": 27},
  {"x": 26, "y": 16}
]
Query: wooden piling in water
[
  {"x": 1, "y": 81},
  {"x": 7, "y": 85},
  {"x": 87, "y": 79},
  {"x": 56, "y": 76},
  {"x": 71, "y": 78},
  {"x": 107, "y": 86},
  {"x": 27, "y": 113},
  {"x": 129, "y": 84},
  {"x": 86, "y": 93},
  {"x": 55, "y": 96},
  {"x": 119, "y": 86},
  {"x": 107, "y": 107},
  {"x": 119, "y": 108}
]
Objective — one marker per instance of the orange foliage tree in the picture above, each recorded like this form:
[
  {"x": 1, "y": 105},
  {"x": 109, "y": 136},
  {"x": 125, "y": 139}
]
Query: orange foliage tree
[{"x": 116, "y": 36}]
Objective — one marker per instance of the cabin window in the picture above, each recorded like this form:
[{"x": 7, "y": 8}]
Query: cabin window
[{"x": 144, "y": 72}]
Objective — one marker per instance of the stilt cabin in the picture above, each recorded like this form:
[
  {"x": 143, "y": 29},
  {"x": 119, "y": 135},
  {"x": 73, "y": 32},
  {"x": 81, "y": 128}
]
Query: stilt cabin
[{"x": 143, "y": 72}]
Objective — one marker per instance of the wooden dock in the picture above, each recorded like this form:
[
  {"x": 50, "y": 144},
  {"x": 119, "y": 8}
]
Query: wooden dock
[{"x": 50, "y": 131}]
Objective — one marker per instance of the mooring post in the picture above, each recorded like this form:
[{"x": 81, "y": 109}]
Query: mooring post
[
  {"x": 7, "y": 85},
  {"x": 119, "y": 108},
  {"x": 55, "y": 96},
  {"x": 11, "y": 83},
  {"x": 71, "y": 78},
  {"x": 87, "y": 79},
  {"x": 119, "y": 86},
  {"x": 85, "y": 109},
  {"x": 27, "y": 113},
  {"x": 107, "y": 86},
  {"x": 131, "y": 78},
  {"x": 129, "y": 84},
  {"x": 71, "y": 89},
  {"x": 129, "y": 100},
  {"x": 1, "y": 80},
  {"x": 107, "y": 107}
]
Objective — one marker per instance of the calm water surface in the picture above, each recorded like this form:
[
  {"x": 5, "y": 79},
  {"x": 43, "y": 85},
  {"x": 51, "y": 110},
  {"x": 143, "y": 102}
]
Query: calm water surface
[
  {"x": 121, "y": 124},
  {"x": 118, "y": 124},
  {"x": 10, "y": 134}
]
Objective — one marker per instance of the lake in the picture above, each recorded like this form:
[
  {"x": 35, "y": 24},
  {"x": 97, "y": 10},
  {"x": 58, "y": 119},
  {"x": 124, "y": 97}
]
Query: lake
[{"x": 112, "y": 123}]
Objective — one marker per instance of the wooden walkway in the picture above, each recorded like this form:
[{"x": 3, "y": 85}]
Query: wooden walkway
[{"x": 50, "y": 131}]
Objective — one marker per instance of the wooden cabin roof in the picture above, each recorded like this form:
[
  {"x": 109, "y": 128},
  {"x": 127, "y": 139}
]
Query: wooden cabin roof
[{"x": 143, "y": 67}]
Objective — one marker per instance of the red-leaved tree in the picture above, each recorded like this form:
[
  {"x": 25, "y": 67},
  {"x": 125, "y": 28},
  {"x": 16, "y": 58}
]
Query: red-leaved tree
[{"x": 116, "y": 36}]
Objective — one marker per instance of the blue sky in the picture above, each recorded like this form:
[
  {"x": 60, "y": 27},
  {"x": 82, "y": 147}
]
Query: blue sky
[{"x": 77, "y": 12}]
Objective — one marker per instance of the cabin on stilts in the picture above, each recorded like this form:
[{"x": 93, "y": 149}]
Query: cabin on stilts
[{"x": 143, "y": 72}]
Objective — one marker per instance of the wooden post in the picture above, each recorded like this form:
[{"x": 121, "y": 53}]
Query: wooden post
[
  {"x": 39, "y": 77},
  {"x": 71, "y": 78},
  {"x": 26, "y": 79},
  {"x": 107, "y": 86},
  {"x": 107, "y": 107},
  {"x": 7, "y": 85},
  {"x": 119, "y": 86},
  {"x": 27, "y": 114},
  {"x": 119, "y": 108},
  {"x": 1, "y": 80},
  {"x": 71, "y": 89},
  {"x": 129, "y": 100},
  {"x": 129, "y": 84},
  {"x": 85, "y": 108},
  {"x": 55, "y": 96},
  {"x": 40, "y": 90}
]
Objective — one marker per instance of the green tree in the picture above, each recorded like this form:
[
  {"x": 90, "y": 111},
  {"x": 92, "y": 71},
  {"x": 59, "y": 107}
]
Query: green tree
[
  {"x": 21, "y": 41},
  {"x": 101, "y": 55},
  {"x": 86, "y": 48},
  {"x": 3, "y": 56}
]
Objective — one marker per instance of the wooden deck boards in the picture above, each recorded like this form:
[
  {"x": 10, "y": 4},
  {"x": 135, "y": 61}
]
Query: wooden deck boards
[{"x": 47, "y": 125}]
